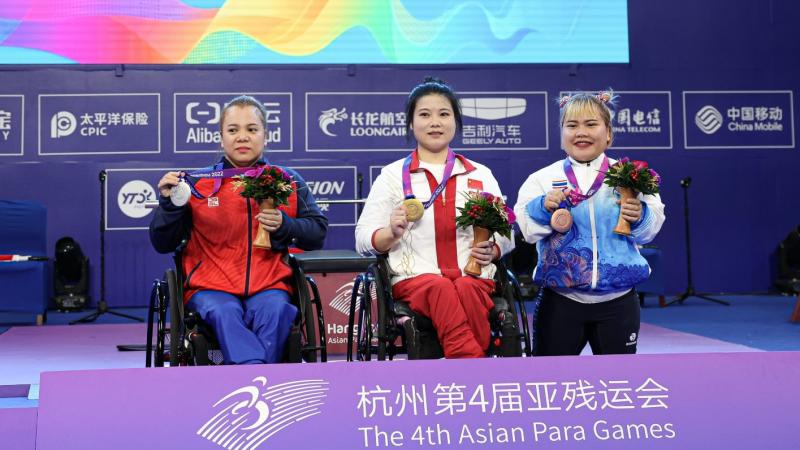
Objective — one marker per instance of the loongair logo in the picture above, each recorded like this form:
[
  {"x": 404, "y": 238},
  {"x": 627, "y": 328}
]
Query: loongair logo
[
  {"x": 63, "y": 123},
  {"x": 330, "y": 116},
  {"x": 708, "y": 119},
  {"x": 493, "y": 108},
  {"x": 133, "y": 197},
  {"x": 252, "y": 414}
]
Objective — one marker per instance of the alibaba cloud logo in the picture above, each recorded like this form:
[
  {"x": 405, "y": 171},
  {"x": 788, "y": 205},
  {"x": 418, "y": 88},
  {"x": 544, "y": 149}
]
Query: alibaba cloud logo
[
  {"x": 493, "y": 108},
  {"x": 708, "y": 119},
  {"x": 252, "y": 414},
  {"x": 330, "y": 116},
  {"x": 62, "y": 124}
]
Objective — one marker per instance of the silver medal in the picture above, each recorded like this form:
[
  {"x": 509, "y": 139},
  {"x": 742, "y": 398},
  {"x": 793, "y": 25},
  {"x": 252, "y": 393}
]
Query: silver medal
[{"x": 179, "y": 194}]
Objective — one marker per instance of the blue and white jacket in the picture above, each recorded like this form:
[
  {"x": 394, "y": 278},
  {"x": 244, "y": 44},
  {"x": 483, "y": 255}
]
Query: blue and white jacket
[{"x": 589, "y": 259}]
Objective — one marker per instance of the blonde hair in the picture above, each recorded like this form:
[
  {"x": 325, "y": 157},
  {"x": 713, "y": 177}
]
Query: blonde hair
[{"x": 586, "y": 103}]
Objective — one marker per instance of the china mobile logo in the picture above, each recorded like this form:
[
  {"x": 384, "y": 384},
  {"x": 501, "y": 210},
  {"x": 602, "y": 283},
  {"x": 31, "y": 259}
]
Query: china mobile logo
[
  {"x": 493, "y": 108},
  {"x": 330, "y": 116},
  {"x": 708, "y": 119},
  {"x": 252, "y": 414},
  {"x": 62, "y": 124}
]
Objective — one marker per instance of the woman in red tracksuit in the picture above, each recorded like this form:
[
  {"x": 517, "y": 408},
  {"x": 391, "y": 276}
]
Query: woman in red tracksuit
[{"x": 242, "y": 292}]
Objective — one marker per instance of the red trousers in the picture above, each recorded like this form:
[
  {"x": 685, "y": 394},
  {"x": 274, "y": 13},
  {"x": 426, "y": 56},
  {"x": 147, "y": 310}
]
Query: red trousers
[{"x": 459, "y": 310}]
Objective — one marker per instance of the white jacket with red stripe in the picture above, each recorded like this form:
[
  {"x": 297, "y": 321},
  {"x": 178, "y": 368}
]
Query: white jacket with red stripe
[{"x": 417, "y": 253}]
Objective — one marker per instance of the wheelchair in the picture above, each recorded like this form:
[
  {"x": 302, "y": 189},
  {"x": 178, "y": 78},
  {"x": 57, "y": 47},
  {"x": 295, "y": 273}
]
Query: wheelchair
[
  {"x": 185, "y": 340},
  {"x": 395, "y": 329}
]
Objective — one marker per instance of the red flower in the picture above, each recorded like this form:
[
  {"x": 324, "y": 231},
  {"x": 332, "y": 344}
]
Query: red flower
[{"x": 639, "y": 165}]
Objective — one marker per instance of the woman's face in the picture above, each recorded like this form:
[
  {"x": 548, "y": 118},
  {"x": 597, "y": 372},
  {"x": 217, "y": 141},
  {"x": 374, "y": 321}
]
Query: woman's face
[
  {"x": 433, "y": 124},
  {"x": 585, "y": 136},
  {"x": 243, "y": 135}
]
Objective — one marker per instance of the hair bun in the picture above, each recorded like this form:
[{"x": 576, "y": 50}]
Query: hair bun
[{"x": 432, "y": 79}]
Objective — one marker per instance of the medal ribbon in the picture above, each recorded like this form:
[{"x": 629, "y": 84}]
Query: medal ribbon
[
  {"x": 575, "y": 196},
  {"x": 217, "y": 173},
  {"x": 448, "y": 170}
]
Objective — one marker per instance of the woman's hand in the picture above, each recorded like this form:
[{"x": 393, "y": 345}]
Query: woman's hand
[
  {"x": 398, "y": 221},
  {"x": 167, "y": 182},
  {"x": 553, "y": 199},
  {"x": 484, "y": 252},
  {"x": 270, "y": 219},
  {"x": 631, "y": 210}
]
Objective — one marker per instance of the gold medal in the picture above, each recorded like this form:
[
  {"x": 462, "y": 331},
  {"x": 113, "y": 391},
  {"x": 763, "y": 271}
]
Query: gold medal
[
  {"x": 561, "y": 220},
  {"x": 414, "y": 209}
]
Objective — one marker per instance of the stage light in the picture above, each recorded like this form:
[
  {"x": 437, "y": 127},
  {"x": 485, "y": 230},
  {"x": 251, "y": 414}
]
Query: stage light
[{"x": 71, "y": 276}]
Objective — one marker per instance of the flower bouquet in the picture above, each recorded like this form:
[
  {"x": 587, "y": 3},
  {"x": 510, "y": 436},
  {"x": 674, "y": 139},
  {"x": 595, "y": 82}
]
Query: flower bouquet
[
  {"x": 269, "y": 186},
  {"x": 486, "y": 214},
  {"x": 630, "y": 178}
]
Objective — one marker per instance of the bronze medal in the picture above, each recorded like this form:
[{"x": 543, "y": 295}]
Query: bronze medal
[
  {"x": 561, "y": 220},
  {"x": 414, "y": 209}
]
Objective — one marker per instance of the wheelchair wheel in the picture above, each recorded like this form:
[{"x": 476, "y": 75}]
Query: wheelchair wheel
[
  {"x": 522, "y": 314},
  {"x": 158, "y": 306},
  {"x": 308, "y": 322},
  {"x": 364, "y": 328},
  {"x": 356, "y": 298},
  {"x": 384, "y": 323},
  {"x": 176, "y": 319}
]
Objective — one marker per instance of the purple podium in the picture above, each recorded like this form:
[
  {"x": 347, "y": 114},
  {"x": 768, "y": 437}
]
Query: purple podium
[{"x": 724, "y": 400}]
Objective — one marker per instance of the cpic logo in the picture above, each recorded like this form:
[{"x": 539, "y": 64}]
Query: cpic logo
[
  {"x": 708, "y": 119},
  {"x": 330, "y": 116},
  {"x": 63, "y": 123},
  {"x": 133, "y": 196},
  {"x": 493, "y": 108},
  {"x": 250, "y": 415}
]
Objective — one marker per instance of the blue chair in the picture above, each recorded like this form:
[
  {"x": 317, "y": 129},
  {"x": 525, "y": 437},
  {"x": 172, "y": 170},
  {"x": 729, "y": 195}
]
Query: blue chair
[
  {"x": 26, "y": 284},
  {"x": 654, "y": 284}
]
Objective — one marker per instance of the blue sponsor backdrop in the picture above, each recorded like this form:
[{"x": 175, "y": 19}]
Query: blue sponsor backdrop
[
  {"x": 196, "y": 120},
  {"x": 738, "y": 119},
  {"x": 91, "y": 123},
  {"x": 743, "y": 195},
  {"x": 643, "y": 121},
  {"x": 11, "y": 124}
]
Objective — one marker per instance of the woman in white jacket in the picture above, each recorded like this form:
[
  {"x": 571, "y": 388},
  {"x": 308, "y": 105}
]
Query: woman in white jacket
[
  {"x": 426, "y": 252},
  {"x": 587, "y": 272}
]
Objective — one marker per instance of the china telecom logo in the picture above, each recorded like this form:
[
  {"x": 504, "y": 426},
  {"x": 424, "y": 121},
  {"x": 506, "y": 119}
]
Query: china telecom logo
[
  {"x": 708, "y": 119},
  {"x": 252, "y": 414}
]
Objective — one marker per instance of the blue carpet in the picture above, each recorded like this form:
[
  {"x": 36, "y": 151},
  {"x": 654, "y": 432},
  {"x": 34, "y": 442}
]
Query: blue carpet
[{"x": 755, "y": 321}]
